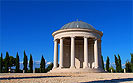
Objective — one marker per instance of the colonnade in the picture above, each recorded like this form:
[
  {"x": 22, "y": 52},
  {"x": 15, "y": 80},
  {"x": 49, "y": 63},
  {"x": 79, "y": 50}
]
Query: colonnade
[{"x": 72, "y": 65}]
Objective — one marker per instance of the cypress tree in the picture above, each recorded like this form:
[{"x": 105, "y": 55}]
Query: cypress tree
[
  {"x": 128, "y": 66},
  {"x": 7, "y": 62},
  {"x": 102, "y": 62},
  {"x": 42, "y": 65},
  {"x": 116, "y": 63},
  {"x": 31, "y": 64},
  {"x": 17, "y": 63},
  {"x": 1, "y": 63},
  {"x": 107, "y": 64},
  {"x": 119, "y": 64},
  {"x": 132, "y": 62},
  {"x": 25, "y": 62}
]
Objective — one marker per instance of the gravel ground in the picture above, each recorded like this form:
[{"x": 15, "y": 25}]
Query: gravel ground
[{"x": 66, "y": 78}]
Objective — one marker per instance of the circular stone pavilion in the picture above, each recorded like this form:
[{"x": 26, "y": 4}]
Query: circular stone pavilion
[{"x": 79, "y": 48}]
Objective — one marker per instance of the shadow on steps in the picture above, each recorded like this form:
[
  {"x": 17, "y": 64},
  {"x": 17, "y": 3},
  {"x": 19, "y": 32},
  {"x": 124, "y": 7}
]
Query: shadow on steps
[{"x": 111, "y": 81}]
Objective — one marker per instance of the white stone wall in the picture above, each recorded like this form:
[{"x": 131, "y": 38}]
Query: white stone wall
[
  {"x": 91, "y": 53},
  {"x": 79, "y": 53},
  {"x": 67, "y": 54}
]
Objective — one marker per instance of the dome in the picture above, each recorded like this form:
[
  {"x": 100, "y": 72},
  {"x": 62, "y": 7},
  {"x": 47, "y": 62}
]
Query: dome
[{"x": 78, "y": 24}]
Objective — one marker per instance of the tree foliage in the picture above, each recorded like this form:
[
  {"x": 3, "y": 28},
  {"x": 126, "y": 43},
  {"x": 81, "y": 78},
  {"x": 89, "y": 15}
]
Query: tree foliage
[
  {"x": 31, "y": 64},
  {"x": 12, "y": 61},
  {"x": 17, "y": 63},
  {"x": 116, "y": 63},
  {"x": 107, "y": 64},
  {"x": 37, "y": 70},
  {"x": 7, "y": 62},
  {"x": 1, "y": 63},
  {"x": 49, "y": 67},
  {"x": 25, "y": 61},
  {"x": 42, "y": 65},
  {"x": 128, "y": 67},
  {"x": 111, "y": 68},
  {"x": 132, "y": 62},
  {"x": 119, "y": 64}
]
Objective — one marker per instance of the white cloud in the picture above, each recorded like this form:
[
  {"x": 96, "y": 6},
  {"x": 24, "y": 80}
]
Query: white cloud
[
  {"x": 21, "y": 62},
  {"x": 104, "y": 62},
  {"x": 37, "y": 62},
  {"x": 123, "y": 64},
  {"x": 48, "y": 63}
]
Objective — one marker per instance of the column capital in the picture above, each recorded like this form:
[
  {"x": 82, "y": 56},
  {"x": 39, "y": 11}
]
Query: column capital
[
  {"x": 55, "y": 40},
  {"x": 99, "y": 39},
  {"x": 85, "y": 37},
  {"x": 61, "y": 37},
  {"x": 72, "y": 37},
  {"x": 95, "y": 39}
]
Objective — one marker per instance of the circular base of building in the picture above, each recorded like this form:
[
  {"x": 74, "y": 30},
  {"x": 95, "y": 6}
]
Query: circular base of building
[{"x": 80, "y": 70}]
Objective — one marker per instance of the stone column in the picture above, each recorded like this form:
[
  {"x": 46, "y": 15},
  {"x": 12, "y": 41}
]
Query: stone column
[
  {"x": 72, "y": 52},
  {"x": 55, "y": 54},
  {"x": 96, "y": 54},
  {"x": 85, "y": 52},
  {"x": 61, "y": 53}
]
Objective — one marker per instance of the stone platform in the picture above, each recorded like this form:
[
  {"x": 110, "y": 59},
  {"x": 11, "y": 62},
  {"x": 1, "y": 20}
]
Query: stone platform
[{"x": 80, "y": 70}]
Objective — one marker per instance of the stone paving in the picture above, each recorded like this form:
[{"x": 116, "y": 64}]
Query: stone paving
[{"x": 66, "y": 78}]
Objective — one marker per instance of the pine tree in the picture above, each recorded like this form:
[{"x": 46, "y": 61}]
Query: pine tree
[
  {"x": 1, "y": 63},
  {"x": 132, "y": 62},
  {"x": 31, "y": 64},
  {"x": 17, "y": 63},
  {"x": 107, "y": 64},
  {"x": 119, "y": 64},
  {"x": 12, "y": 61},
  {"x": 25, "y": 62},
  {"x": 102, "y": 62},
  {"x": 116, "y": 63},
  {"x": 42, "y": 65},
  {"x": 7, "y": 62},
  {"x": 111, "y": 68}
]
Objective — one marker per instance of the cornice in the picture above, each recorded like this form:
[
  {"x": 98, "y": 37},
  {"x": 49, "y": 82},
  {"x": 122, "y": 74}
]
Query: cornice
[{"x": 76, "y": 29}]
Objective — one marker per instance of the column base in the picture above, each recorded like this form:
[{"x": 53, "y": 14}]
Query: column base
[
  {"x": 55, "y": 67},
  {"x": 73, "y": 67},
  {"x": 86, "y": 68},
  {"x": 98, "y": 68},
  {"x": 60, "y": 67}
]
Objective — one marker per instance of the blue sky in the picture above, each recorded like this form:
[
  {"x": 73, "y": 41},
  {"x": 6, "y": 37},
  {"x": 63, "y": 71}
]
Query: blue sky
[{"x": 28, "y": 25}]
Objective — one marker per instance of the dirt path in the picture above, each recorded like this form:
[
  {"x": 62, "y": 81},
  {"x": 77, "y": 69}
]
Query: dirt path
[{"x": 66, "y": 78}]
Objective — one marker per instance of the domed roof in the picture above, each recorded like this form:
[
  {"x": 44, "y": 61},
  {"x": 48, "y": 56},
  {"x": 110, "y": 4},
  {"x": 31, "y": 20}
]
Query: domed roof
[{"x": 78, "y": 24}]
